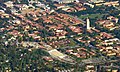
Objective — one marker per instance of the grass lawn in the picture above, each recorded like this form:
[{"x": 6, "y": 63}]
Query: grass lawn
[{"x": 93, "y": 16}]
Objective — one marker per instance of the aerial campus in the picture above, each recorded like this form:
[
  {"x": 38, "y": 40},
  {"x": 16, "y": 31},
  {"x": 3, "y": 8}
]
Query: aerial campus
[{"x": 59, "y": 35}]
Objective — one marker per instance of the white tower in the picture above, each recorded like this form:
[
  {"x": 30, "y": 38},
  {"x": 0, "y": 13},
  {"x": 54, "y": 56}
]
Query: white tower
[{"x": 88, "y": 23}]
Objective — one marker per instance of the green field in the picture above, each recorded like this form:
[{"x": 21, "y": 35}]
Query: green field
[{"x": 93, "y": 16}]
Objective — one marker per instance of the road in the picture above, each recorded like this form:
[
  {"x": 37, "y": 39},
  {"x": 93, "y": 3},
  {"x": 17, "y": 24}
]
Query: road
[
  {"x": 97, "y": 61},
  {"x": 69, "y": 47}
]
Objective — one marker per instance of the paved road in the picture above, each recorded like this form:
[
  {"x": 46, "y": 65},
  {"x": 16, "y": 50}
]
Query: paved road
[
  {"x": 69, "y": 47},
  {"x": 97, "y": 61}
]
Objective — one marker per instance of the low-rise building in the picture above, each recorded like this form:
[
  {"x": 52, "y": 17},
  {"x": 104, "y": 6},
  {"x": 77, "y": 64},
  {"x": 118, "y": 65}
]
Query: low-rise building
[
  {"x": 63, "y": 1},
  {"x": 9, "y": 4}
]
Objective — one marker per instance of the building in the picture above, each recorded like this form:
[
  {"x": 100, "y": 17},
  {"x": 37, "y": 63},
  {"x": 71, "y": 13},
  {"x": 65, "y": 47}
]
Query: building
[
  {"x": 9, "y": 4},
  {"x": 64, "y": 1},
  {"x": 77, "y": 0},
  {"x": 95, "y": 1}
]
